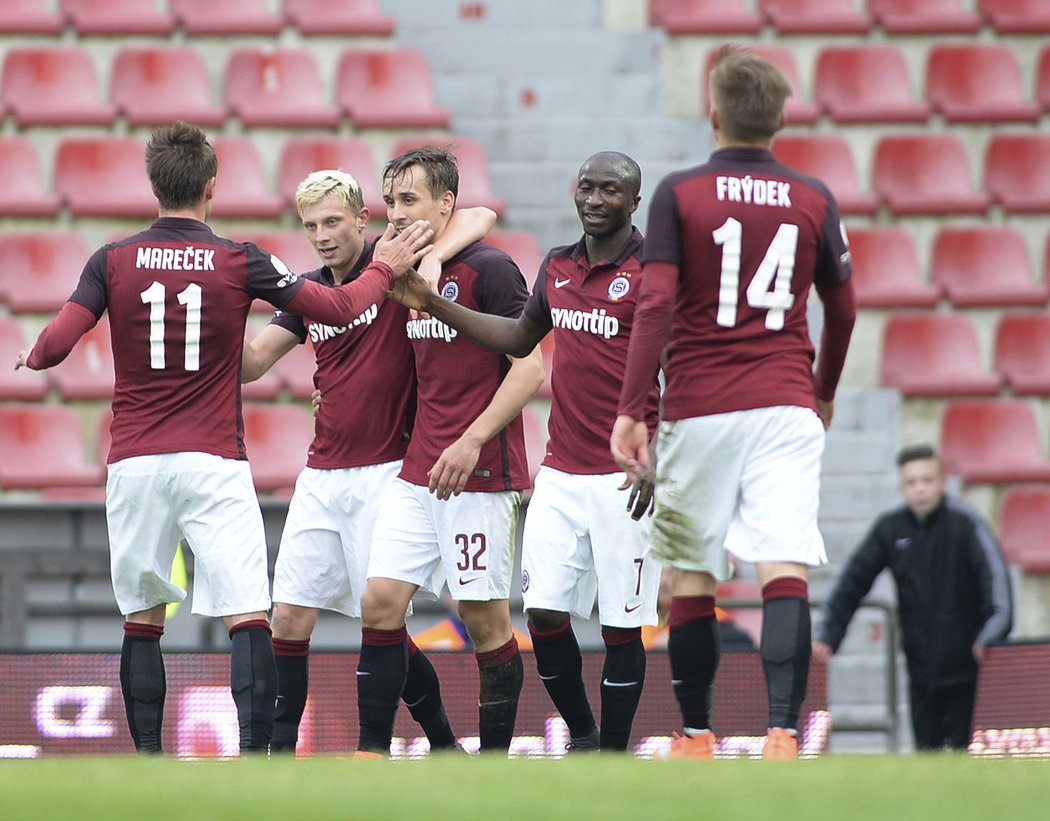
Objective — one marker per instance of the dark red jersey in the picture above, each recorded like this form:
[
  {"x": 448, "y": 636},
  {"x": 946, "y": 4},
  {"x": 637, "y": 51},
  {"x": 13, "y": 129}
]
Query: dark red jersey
[
  {"x": 178, "y": 297},
  {"x": 366, "y": 374},
  {"x": 458, "y": 378},
  {"x": 750, "y": 237},
  {"x": 590, "y": 312}
]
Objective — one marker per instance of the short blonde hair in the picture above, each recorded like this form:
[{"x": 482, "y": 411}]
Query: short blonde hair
[
  {"x": 748, "y": 92},
  {"x": 320, "y": 184}
]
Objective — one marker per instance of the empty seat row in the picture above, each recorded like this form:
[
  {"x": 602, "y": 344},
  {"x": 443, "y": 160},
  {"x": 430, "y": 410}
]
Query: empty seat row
[
  {"x": 993, "y": 441},
  {"x": 105, "y": 176},
  {"x": 973, "y": 266},
  {"x": 926, "y": 173},
  {"x": 1024, "y": 527},
  {"x": 937, "y": 354},
  {"x": 374, "y": 88},
  {"x": 44, "y": 449},
  {"x": 870, "y": 83},
  {"x": 843, "y": 17},
  {"x": 196, "y": 17}
]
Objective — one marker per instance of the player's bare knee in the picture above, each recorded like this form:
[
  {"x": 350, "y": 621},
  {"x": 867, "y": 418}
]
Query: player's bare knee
[
  {"x": 292, "y": 622},
  {"x": 546, "y": 621},
  {"x": 383, "y": 604},
  {"x": 487, "y": 622}
]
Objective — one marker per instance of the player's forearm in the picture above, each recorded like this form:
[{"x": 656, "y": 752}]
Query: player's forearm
[
  {"x": 518, "y": 387},
  {"x": 342, "y": 305},
  {"x": 497, "y": 333},
  {"x": 840, "y": 313},
  {"x": 61, "y": 334},
  {"x": 652, "y": 325}
]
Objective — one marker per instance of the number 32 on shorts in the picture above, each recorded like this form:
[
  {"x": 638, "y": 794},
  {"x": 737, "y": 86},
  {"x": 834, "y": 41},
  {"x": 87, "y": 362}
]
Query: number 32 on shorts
[{"x": 471, "y": 547}]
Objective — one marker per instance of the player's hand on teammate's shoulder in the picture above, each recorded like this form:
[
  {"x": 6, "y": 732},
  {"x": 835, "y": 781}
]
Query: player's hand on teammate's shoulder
[{"x": 401, "y": 251}]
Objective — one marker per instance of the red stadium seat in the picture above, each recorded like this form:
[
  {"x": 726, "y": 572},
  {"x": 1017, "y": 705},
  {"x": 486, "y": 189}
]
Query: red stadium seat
[
  {"x": 815, "y": 16},
  {"x": 240, "y": 188},
  {"x": 104, "y": 177},
  {"x": 797, "y": 109},
  {"x": 43, "y": 446},
  {"x": 87, "y": 373},
  {"x": 828, "y": 158},
  {"x": 924, "y": 16},
  {"x": 474, "y": 185},
  {"x": 1021, "y": 343},
  {"x": 1015, "y": 172},
  {"x": 276, "y": 438},
  {"x": 974, "y": 83},
  {"x": 388, "y": 88},
  {"x": 296, "y": 370},
  {"x": 704, "y": 17},
  {"x": 53, "y": 85},
  {"x": 234, "y": 17},
  {"x": 886, "y": 271},
  {"x": 29, "y": 17},
  {"x": 985, "y": 266},
  {"x": 40, "y": 269},
  {"x": 156, "y": 86},
  {"x": 1017, "y": 16},
  {"x": 535, "y": 427},
  {"x": 993, "y": 441},
  {"x": 21, "y": 191},
  {"x": 866, "y": 84},
  {"x": 24, "y": 384},
  {"x": 934, "y": 354},
  {"x": 277, "y": 87},
  {"x": 1024, "y": 527},
  {"x": 118, "y": 17},
  {"x": 523, "y": 248},
  {"x": 925, "y": 174},
  {"x": 302, "y": 155},
  {"x": 340, "y": 17}
]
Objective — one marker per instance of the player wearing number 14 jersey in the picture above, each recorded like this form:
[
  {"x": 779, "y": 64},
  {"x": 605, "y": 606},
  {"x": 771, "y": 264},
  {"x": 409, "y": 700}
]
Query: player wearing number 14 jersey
[
  {"x": 732, "y": 250},
  {"x": 178, "y": 298}
]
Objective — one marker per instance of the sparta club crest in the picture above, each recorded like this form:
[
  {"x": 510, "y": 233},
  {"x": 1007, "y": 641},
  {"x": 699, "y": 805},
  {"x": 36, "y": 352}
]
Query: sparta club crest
[
  {"x": 619, "y": 287},
  {"x": 450, "y": 291}
]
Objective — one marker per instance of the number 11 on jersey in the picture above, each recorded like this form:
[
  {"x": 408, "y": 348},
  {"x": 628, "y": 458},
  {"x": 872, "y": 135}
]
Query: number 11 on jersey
[{"x": 190, "y": 296}]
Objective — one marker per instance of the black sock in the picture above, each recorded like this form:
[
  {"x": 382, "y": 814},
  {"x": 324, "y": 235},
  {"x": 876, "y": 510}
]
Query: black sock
[
  {"x": 692, "y": 643},
  {"x": 381, "y": 672},
  {"x": 560, "y": 665},
  {"x": 622, "y": 678},
  {"x": 501, "y": 673},
  {"x": 143, "y": 684},
  {"x": 293, "y": 679},
  {"x": 253, "y": 682},
  {"x": 786, "y": 648},
  {"x": 422, "y": 697}
]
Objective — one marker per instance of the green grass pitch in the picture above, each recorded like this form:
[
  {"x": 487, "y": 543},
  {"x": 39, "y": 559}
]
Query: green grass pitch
[{"x": 852, "y": 788}]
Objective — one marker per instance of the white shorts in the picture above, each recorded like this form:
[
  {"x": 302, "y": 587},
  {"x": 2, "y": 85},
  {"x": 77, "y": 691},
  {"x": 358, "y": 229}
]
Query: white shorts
[
  {"x": 323, "y": 558},
  {"x": 468, "y": 540},
  {"x": 747, "y": 482},
  {"x": 154, "y": 501},
  {"x": 580, "y": 542}
]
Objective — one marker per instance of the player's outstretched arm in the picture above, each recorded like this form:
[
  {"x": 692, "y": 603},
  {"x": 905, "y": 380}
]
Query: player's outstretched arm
[
  {"x": 514, "y": 337},
  {"x": 261, "y": 353},
  {"x": 394, "y": 254},
  {"x": 467, "y": 226},
  {"x": 453, "y": 468}
]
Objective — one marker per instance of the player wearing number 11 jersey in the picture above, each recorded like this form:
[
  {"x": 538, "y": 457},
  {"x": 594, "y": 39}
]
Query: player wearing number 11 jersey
[
  {"x": 178, "y": 298},
  {"x": 732, "y": 249}
]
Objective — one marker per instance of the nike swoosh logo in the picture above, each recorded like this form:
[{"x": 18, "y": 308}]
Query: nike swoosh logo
[
  {"x": 468, "y": 581},
  {"x": 627, "y": 609},
  {"x": 561, "y": 283},
  {"x": 607, "y": 683}
]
